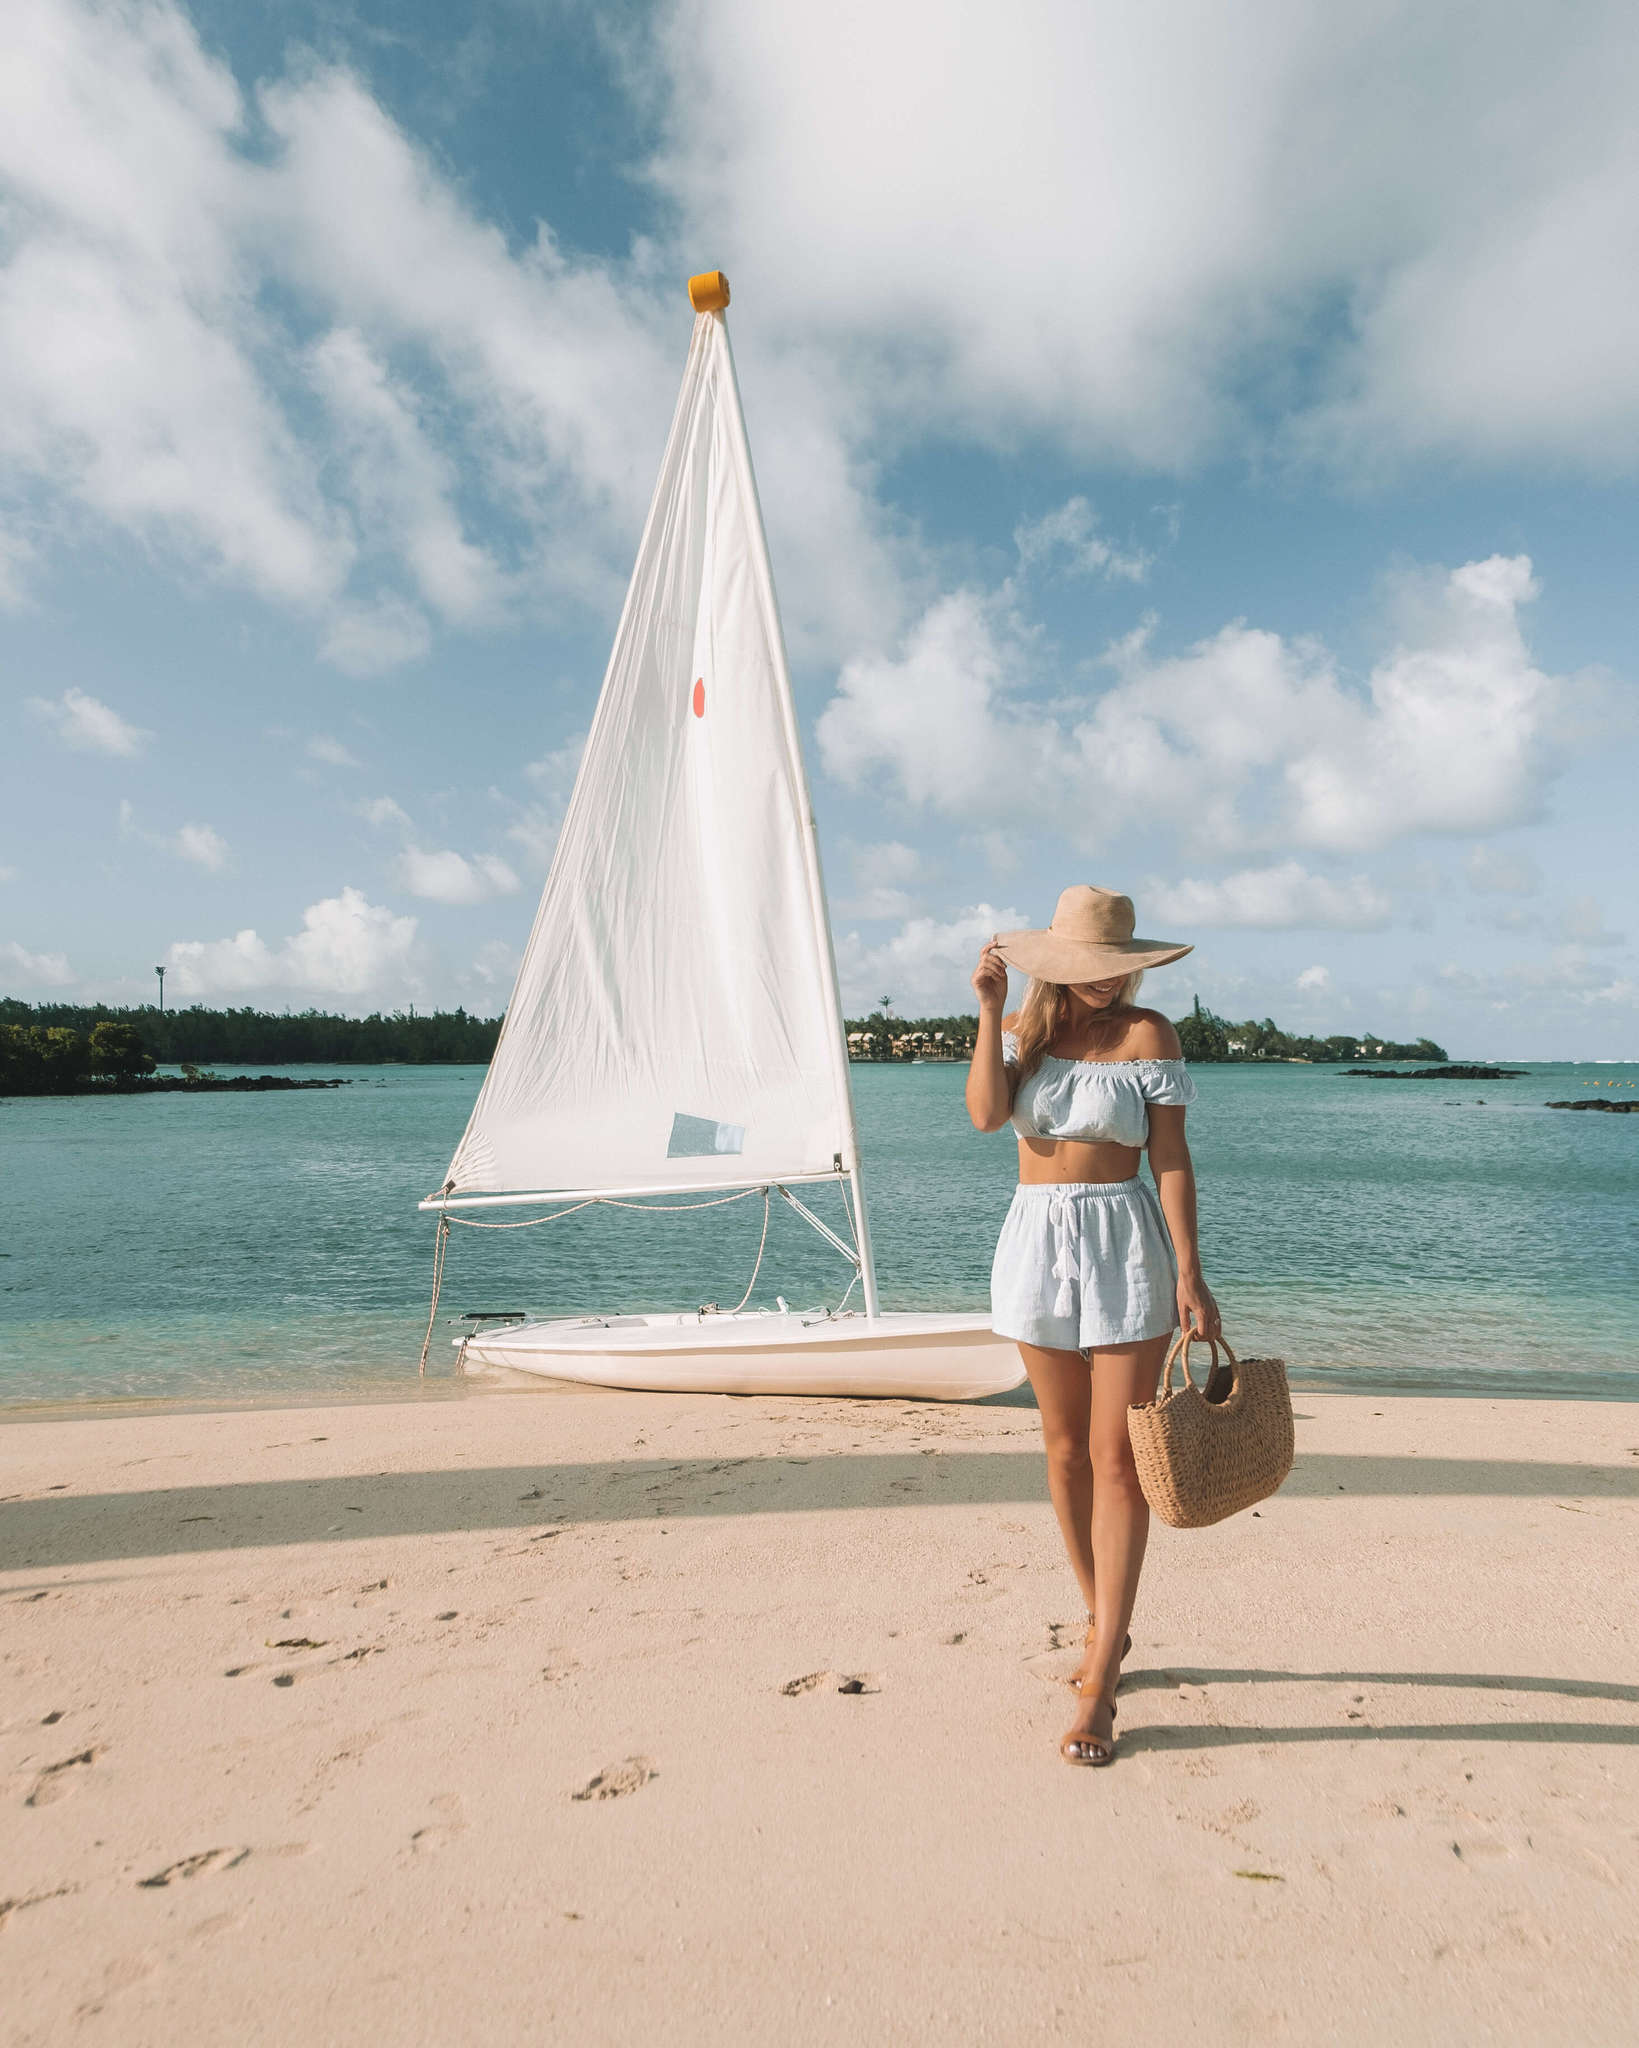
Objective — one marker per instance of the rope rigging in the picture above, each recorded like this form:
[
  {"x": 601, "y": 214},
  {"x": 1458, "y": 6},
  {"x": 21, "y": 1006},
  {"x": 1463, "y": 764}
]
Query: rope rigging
[{"x": 445, "y": 1219}]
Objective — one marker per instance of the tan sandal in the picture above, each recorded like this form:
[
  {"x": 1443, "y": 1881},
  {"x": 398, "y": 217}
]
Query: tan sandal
[{"x": 1091, "y": 1750}]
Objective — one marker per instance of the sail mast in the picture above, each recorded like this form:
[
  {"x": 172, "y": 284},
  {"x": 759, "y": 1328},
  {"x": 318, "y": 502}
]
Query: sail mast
[{"x": 810, "y": 837}]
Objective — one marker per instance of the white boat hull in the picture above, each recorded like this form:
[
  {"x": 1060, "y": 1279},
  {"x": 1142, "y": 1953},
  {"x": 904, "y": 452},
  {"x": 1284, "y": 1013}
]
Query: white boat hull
[{"x": 913, "y": 1357}]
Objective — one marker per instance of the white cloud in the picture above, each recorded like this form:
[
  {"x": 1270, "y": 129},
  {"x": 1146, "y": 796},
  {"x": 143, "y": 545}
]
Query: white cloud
[
  {"x": 924, "y": 968},
  {"x": 369, "y": 639},
  {"x": 17, "y": 557},
  {"x": 347, "y": 947},
  {"x": 1562, "y": 982},
  {"x": 9, "y": 874},
  {"x": 457, "y": 878},
  {"x": 188, "y": 267},
  {"x": 535, "y": 827},
  {"x": 889, "y": 861},
  {"x": 879, "y": 871},
  {"x": 200, "y": 844},
  {"x": 440, "y": 876},
  {"x": 1069, "y": 541},
  {"x": 1493, "y": 871},
  {"x": 1578, "y": 922},
  {"x": 49, "y": 970},
  {"x": 930, "y": 717},
  {"x": 187, "y": 270},
  {"x": 496, "y": 965},
  {"x": 555, "y": 772},
  {"x": 1315, "y": 980},
  {"x": 205, "y": 848},
  {"x": 88, "y": 724},
  {"x": 321, "y": 747},
  {"x": 129, "y": 330},
  {"x": 1453, "y": 737},
  {"x": 382, "y": 810},
  {"x": 534, "y": 831},
  {"x": 1120, "y": 225},
  {"x": 1261, "y": 738},
  {"x": 1280, "y": 898},
  {"x": 402, "y": 484},
  {"x": 877, "y": 904},
  {"x": 1583, "y": 924}
]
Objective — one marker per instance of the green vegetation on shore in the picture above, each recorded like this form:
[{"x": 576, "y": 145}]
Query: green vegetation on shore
[
  {"x": 73, "y": 1049},
  {"x": 57, "y": 1060},
  {"x": 110, "y": 1059},
  {"x": 1203, "y": 1036},
  {"x": 251, "y": 1037}
]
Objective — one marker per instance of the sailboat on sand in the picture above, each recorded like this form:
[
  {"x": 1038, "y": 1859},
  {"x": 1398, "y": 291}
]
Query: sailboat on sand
[{"x": 675, "y": 1034}]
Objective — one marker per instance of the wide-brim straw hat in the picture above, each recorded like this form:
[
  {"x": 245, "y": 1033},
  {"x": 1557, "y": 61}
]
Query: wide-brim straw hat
[{"x": 1090, "y": 939}]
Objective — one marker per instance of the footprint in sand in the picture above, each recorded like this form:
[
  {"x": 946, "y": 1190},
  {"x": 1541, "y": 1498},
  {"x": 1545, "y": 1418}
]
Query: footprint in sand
[
  {"x": 439, "y": 1834},
  {"x": 614, "y": 1781},
  {"x": 1047, "y": 1664},
  {"x": 57, "y": 1780},
  {"x": 120, "y": 1975},
  {"x": 20, "y": 1905},
  {"x": 852, "y": 1683},
  {"x": 194, "y": 1866}
]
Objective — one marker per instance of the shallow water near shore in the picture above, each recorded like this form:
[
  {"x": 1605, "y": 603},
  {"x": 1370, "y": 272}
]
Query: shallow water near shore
[{"x": 1432, "y": 1236}]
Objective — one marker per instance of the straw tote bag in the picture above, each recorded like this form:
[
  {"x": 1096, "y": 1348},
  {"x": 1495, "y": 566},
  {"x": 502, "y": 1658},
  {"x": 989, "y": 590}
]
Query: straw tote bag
[{"x": 1206, "y": 1452}]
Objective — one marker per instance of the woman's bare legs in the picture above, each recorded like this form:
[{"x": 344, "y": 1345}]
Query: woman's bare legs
[
  {"x": 1122, "y": 1376},
  {"x": 1063, "y": 1387}
]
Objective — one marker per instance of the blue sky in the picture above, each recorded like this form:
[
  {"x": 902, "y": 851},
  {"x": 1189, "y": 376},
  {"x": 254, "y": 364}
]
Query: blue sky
[{"x": 1198, "y": 447}]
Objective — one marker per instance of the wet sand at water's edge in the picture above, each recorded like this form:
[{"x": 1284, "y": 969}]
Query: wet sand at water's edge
[{"x": 566, "y": 1715}]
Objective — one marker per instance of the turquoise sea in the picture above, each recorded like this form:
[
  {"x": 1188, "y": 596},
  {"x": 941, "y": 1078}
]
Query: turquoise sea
[{"x": 1419, "y": 1235}]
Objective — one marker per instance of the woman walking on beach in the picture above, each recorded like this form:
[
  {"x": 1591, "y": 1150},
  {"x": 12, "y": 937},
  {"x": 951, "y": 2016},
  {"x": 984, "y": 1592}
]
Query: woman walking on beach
[{"x": 1084, "y": 1278}]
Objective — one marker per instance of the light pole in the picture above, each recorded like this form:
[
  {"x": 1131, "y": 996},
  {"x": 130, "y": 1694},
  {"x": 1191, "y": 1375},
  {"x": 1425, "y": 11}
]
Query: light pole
[{"x": 161, "y": 973}]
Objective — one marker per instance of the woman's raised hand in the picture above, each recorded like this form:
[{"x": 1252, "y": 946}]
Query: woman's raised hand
[{"x": 990, "y": 978}]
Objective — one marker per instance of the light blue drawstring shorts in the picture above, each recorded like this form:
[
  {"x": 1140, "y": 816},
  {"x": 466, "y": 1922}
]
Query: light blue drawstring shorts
[{"x": 1081, "y": 1264}]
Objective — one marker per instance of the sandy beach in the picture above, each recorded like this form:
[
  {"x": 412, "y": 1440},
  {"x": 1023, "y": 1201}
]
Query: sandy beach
[{"x": 563, "y": 1715}]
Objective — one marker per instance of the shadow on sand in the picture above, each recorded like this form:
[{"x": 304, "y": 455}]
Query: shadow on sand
[
  {"x": 1166, "y": 1737},
  {"x": 67, "y": 1529}
]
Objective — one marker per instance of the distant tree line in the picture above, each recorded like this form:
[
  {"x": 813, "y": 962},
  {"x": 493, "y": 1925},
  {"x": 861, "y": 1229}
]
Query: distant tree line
[
  {"x": 251, "y": 1037},
  {"x": 55, "y": 1048},
  {"x": 1203, "y": 1036}
]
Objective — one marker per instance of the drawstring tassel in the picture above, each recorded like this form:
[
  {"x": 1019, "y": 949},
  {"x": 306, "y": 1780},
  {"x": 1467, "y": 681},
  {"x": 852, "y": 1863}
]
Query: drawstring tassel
[{"x": 1063, "y": 1269}]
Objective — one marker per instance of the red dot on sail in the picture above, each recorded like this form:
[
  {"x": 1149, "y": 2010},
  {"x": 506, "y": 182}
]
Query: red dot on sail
[{"x": 700, "y": 697}]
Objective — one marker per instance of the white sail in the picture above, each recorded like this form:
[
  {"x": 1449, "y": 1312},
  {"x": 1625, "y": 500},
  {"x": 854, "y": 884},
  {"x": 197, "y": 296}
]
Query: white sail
[{"x": 675, "y": 1022}]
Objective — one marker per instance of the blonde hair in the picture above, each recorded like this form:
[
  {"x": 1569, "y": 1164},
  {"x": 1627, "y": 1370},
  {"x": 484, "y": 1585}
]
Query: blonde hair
[{"x": 1043, "y": 1012}]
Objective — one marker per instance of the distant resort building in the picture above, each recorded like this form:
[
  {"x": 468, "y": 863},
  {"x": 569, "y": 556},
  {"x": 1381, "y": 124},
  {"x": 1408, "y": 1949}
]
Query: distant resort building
[{"x": 893, "y": 1041}]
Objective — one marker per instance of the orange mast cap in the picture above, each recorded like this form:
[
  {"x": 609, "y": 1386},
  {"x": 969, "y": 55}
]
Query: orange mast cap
[{"x": 708, "y": 292}]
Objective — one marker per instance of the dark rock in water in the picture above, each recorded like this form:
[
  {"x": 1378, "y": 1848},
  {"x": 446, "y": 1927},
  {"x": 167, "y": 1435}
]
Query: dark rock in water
[
  {"x": 177, "y": 1084},
  {"x": 1437, "y": 1074},
  {"x": 1610, "y": 1108},
  {"x": 229, "y": 1084}
]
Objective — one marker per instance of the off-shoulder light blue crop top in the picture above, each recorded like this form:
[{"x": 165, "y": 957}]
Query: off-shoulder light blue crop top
[{"x": 1094, "y": 1102}]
